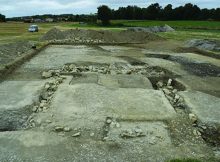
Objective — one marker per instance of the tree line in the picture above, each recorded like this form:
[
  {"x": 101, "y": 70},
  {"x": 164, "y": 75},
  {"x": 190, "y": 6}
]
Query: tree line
[
  {"x": 2, "y": 18},
  {"x": 152, "y": 12},
  {"x": 57, "y": 18},
  {"x": 156, "y": 12}
]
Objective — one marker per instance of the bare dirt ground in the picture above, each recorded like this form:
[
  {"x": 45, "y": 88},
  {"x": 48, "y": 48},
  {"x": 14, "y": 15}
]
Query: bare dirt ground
[{"x": 96, "y": 102}]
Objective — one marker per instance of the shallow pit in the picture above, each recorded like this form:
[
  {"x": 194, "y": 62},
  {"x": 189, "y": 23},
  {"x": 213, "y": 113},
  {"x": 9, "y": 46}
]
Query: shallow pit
[{"x": 175, "y": 84}]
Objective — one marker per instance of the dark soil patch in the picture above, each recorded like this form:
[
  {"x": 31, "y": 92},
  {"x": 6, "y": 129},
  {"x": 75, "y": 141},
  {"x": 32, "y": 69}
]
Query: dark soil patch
[
  {"x": 168, "y": 74},
  {"x": 132, "y": 61},
  {"x": 212, "y": 136},
  {"x": 161, "y": 56},
  {"x": 199, "y": 69},
  {"x": 197, "y": 51},
  {"x": 175, "y": 84}
]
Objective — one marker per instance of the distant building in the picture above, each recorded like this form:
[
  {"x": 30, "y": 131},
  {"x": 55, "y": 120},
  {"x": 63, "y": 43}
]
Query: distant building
[
  {"x": 28, "y": 20},
  {"x": 38, "y": 20},
  {"x": 49, "y": 20}
]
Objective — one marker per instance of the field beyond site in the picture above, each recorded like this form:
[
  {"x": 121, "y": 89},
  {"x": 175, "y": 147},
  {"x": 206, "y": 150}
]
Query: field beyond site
[{"x": 17, "y": 31}]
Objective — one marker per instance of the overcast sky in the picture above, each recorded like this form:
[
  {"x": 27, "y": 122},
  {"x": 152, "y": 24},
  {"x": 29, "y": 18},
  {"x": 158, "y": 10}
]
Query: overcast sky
[{"x": 12, "y": 8}]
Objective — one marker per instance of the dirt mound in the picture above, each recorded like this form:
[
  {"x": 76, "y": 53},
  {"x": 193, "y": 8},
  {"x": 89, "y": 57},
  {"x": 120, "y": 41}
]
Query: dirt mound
[
  {"x": 204, "y": 44},
  {"x": 53, "y": 34},
  {"x": 102, "y": 36},
  {"x": 153, "y": 29},
  {"x": 9, "y": 52}
]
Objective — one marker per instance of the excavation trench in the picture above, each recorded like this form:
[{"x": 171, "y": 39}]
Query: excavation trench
[
  {"x": 193, "y": 67},
  {"x": 81, "y": 57}
]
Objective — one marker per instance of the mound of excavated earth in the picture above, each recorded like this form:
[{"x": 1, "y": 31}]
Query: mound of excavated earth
[
  {"x": 9, "y": 52},
  {"x": 153, "y": 29},
  {"x": 204, "y": 44},
  {"x": 104, "y": 36}
]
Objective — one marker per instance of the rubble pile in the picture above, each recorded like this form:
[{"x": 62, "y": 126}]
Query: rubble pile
[
  {"x": 95, "y": 37},
  {"x": 113, "y": 69},
  {"x": 171, "y": 93}
]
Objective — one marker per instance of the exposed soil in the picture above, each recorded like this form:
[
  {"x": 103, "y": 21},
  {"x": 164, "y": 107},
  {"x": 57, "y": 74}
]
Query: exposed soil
[
  {"x": 78, "y": 94},
  {"x": 153, "y": 29},
  {"x": 204, "y": 44},
  {"x": 175, "y": 84},
  {"x": 9, "y": 52},
  {"x": 193, "y": 67},
  {"x": 197, "y": 51},
  {"x": 199, "y": 69},
  {"x": 104, "y": 36},
  {"x": 132, "y": 61}
]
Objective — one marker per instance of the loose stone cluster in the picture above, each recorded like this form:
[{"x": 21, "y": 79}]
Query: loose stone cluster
[
  {"x": 78, "y": 40},
  {"x": 114, "y": 69},
  {"x": 132, "y": 133},
  {"x": 46, "y": 94},
  {"x": 171, "y": 93}
]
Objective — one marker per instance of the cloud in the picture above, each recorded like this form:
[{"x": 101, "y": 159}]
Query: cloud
[{"x": 12, "y": 8}]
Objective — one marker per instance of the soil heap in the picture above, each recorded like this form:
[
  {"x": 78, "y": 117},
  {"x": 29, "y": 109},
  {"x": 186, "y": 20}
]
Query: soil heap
[
  {"x": 204, "y": 44},
  {"x": 10, "y": 51},
  {"x": 153, "y": 29},
  {"x": 102, "y": 36}
]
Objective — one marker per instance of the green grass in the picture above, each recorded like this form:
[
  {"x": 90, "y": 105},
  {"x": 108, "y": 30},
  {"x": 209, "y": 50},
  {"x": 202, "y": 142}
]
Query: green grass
[
  {"x": 13, "y": 31},
  {"x": 184, "y": 29},
  {"x": 184, "y": 34},
  {"x": 212, "y": 25}
]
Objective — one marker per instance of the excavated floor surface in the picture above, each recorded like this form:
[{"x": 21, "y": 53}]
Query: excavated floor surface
[{"x": 109, "y": 106}]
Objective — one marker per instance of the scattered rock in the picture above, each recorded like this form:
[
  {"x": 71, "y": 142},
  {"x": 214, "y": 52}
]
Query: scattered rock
[
  {"x": 166, "y": 91},
  {"x": 117, "y": 125},
  {"x": 177, "y": 97},
  {"x": 47, "y": 86},
  {"x": 76, "y": 134},
  {"x": 47, "y": 74},
  {"x": 59, "y": 128},
  {"x": 108, "y": 121},
  {"x": 193, "y": 118},
  {"x": 92, "y": 134},
  {"x": 137, "y": 132},
  {"x": 152, "y": 141},
  {"x": 175, "y": 91},
  {"x": 196, "y": 132},
  {"x": 48, "y": 121},
  {"x": 169, "y": 82},
  {"x": 44, "y": 95},
  {"x": 72, "y": 67},
  {"x": 159, "y": 84},
  {"x": 67, "y": 129},
  {"x": 35, "y": 108},
  {"x": 38, "y": 122},
  {"x": 43, "y": 103}
]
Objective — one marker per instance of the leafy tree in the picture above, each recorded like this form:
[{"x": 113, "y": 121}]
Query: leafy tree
[
  {"x": 153, "y": 11},
  {"x": 104, "y": 14},
  {"x": 205, "y": 14},
  {"x": 191, "y": 12},
  {"x": 168, "y": 12},
  {"x": 216, "y": 15},
  {"x": 2, "y": 18}
]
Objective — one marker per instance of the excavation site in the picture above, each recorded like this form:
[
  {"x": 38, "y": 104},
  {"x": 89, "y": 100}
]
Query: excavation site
[{"x": 108, "y": 96}]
